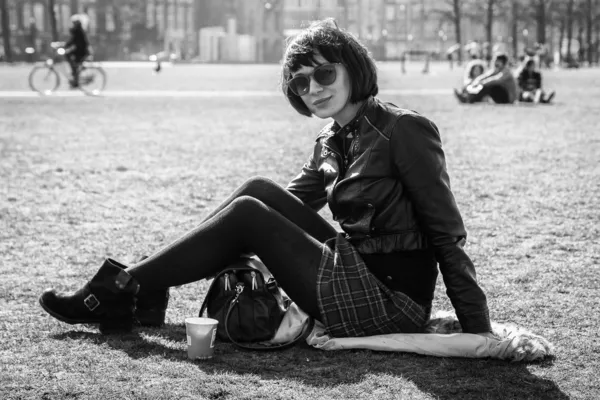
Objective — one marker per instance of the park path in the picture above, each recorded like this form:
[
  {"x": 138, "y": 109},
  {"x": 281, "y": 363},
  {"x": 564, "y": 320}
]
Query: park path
[{"x": 201, "y": 93}]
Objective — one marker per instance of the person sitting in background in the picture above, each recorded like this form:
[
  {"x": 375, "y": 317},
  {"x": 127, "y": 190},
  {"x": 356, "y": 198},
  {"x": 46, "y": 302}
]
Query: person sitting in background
[
  {"x": 474, "y": 69},
  {"x": 530, "y": 85},
  {"x": 77, "y": 48},
  {"x": 498, "y": 83}
]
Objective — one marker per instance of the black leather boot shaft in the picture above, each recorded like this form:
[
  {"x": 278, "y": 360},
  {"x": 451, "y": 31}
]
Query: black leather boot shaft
[{"x": 151, "y": 305}]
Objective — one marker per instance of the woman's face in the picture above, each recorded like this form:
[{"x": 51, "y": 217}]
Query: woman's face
[
  {"x": 327, "y": 101},
  {"x": 476, "y": 71}
]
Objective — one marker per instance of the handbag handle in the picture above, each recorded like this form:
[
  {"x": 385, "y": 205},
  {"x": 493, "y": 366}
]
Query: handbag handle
[{"x": 303, "y": 335}]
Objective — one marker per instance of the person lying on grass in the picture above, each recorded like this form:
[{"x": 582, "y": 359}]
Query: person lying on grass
[
  {"x": 381, "y": 170},
  {"x": 498, "y": 83}
]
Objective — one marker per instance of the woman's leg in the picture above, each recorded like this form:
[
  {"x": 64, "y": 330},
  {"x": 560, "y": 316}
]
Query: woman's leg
[
  {"x": 244, "y": 225},
  {"x": 282, "y": 201},
  {"x": 499, "y": 94}
]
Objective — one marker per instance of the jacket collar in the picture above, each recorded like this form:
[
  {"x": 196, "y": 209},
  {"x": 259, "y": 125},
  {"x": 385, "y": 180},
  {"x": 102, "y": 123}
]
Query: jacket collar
[{"x": 333, "y": 128}]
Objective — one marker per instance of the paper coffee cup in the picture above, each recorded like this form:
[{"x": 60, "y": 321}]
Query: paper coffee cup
[{"x": 201, "y": 333}]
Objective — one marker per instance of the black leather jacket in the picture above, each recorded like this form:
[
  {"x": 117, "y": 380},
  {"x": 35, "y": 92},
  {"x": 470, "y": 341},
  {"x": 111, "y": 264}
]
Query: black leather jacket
[{"x": 391, "y": 192}]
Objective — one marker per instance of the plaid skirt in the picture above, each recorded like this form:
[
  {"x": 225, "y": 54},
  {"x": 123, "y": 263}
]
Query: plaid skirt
[{"x": 353, "y": 302}]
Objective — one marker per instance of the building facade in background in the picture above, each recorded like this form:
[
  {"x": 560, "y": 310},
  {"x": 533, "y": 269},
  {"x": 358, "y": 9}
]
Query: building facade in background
[{"x": 243, "y": 30}]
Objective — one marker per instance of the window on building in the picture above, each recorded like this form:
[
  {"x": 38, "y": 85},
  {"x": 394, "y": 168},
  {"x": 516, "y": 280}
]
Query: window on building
[
  {"x": 110, "y": 19},
  {"x": 65, "y": 13},
  {"x": 171, "y": 14},
  {"x": 353, "y": 12},
  {"x": 390, "y": 12},
  {"x": 13, "y": 15},
  {"x": 38, "y": 15},
  {"x": 190, "y": 20},
  {"x": 150, "y": 22},
  {"x": 27, "y": 14},
  {"x": 181, "y": 16},
  {"x": 93, "y": 25},
  {"x": 160, "y": 17}
]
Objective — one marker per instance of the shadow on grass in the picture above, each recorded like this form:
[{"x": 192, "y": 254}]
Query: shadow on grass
[{"x": 443, "y": 378}]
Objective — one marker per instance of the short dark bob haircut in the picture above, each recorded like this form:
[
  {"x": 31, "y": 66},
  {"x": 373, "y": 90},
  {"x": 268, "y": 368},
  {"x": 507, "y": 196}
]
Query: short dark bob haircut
[
  {"x": 529, "y": 63},
  {"x": 502, "y": 57},
  {"x": 336, "y": 46}
]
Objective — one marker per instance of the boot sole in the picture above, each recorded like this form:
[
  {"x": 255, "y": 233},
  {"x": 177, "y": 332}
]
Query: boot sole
[{"x": 105, "y": 327}]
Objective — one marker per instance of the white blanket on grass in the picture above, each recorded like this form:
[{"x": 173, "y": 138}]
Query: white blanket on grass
[{"x": 513, "y": 343}]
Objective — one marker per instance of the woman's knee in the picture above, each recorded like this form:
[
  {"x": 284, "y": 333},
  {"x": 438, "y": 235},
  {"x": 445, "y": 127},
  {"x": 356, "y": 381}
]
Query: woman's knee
[
  {"x": 248, "y": 206},
  {"x": 257, "y": 186}
]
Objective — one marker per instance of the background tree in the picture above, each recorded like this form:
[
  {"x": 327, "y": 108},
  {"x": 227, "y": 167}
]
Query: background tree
[
  {"x": 489, "y": 27},
  {"x": 5, "y": 25},
  {"x": 590, "y": 11},
  {"x": 569, "y": 27},
  {"x": 541, "y": 9},
  {"x": 52, "y": 17},
  {"x": 451, "y": 11},
  {"x": 485, "y": 12},
  {"x": 597, "y": 23},
  {"x": 75, "y": 6},
  {"x": 514, "y": 27}
]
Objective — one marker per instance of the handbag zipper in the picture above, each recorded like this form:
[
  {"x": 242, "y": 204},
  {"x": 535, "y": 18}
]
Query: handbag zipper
[
  {"x": 253, "y": 275},
  {"x": 227, "y": 284}
]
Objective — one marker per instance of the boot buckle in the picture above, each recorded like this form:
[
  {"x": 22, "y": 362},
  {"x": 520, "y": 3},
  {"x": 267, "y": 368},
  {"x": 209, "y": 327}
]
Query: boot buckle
[{"x": 91, "y": 302}]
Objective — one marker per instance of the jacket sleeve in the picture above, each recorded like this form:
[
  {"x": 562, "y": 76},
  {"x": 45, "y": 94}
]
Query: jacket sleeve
[
  {"x": 421, "y": 167},
  {"x": 70, "y": 42},
  {"x": 309, "y": 184},
  {"x": 480, "y": 78},
  {"x": 499, "y": 78}
]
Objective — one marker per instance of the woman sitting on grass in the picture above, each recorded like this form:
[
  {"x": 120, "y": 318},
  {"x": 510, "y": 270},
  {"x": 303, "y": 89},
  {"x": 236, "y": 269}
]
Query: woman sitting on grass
[{"x": 382, "y": 172}]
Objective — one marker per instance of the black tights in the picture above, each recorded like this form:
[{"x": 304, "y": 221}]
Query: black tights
[{"x": 260, "y": 217}]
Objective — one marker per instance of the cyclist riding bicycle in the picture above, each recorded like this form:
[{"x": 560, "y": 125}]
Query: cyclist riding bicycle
[{"x": 77, "y": 48}]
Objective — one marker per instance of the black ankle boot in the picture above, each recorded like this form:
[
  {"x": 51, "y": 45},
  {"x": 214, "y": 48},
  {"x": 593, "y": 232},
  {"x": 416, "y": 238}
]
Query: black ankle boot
[
  {"x": 107, "y": 299},
  {"x": 151, "y": 305}
]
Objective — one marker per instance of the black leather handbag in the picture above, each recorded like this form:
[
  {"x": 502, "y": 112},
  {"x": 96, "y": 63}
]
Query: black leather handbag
[{"x": 249, "y": 307}]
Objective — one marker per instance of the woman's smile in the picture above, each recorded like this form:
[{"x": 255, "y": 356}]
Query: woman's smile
[{"x": 321, "y": 102}]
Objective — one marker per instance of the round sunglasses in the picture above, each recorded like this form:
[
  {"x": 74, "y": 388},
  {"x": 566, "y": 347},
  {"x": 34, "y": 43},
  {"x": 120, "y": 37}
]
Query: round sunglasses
[{"x": 324, "y": 75}]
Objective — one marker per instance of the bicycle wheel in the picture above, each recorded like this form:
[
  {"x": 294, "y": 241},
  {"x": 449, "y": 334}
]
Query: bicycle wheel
[
  {"x": 92, "y": 80},
  {"x": 44, "y": 80}
]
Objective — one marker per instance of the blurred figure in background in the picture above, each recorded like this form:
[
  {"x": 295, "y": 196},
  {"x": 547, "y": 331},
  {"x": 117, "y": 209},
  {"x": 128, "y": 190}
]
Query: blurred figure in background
[
  {"x": 498, "y": 83},
  {"x": 451, "y": 53},
  {"x": 530, "y": 84},
  {"x": 474, "y": 69},
  {"x": 473, "y": 49},
  {"x": 77, "y": 48}
]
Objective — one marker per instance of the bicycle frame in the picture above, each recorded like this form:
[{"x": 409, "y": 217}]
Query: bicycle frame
[
  {"x": 61, "y": 59},
  {"x": 64, "y": 71}
]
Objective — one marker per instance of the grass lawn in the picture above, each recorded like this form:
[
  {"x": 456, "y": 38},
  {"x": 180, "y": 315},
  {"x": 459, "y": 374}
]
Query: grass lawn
[{"x": 85, "y": 178}]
